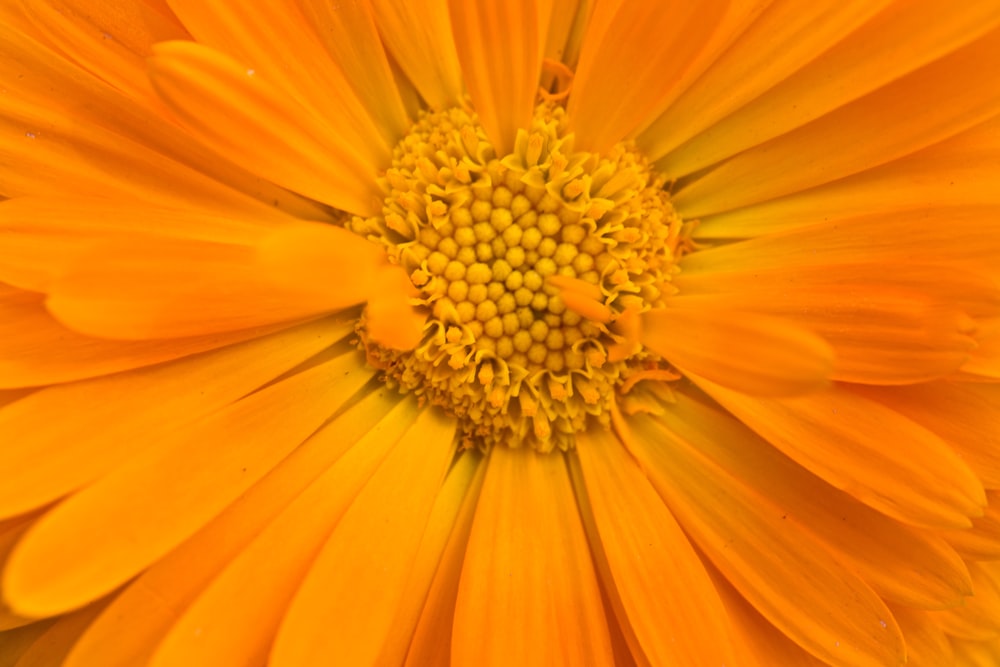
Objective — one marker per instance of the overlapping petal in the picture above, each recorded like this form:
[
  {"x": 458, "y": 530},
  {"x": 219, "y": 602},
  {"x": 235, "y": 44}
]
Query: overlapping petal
[
  {"x": 801, "y": 463},
  {"x": 174, "y": 486}
]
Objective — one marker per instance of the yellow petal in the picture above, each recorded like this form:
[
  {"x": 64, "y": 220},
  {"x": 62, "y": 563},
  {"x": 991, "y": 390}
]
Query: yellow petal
[
  {"x": 527, "y": 536},
  {"x": 106, "y": 420},
  {"x": 745, "y": 351},
  {"x": 656, "y": 573},
  {"x": 780, "y": 572},
  {"x": 498, "y": 46},
  {"x": 187, "y": 582},
  {"x": 172, "y": 489},
  {"x": 842, "y": 437},
  {"x": 955, "y": 93},
  {"x": 222, "y": 102},
  {"x": 383, "y": 526}
]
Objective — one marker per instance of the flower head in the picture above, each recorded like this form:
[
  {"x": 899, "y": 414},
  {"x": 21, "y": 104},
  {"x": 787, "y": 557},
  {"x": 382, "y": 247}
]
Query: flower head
[{"x": 535, "y": 332}]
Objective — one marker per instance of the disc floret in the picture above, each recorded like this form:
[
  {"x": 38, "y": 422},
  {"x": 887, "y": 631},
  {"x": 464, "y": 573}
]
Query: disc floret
[{"x": 487, "y": 239}]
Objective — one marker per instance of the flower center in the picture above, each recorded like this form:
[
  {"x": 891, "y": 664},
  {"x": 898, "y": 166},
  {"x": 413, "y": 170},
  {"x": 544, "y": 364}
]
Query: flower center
[{"x": 497, "y": 247}]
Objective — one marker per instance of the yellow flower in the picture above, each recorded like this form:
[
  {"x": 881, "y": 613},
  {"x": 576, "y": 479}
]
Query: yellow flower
[{"x": 527, "y": 332}]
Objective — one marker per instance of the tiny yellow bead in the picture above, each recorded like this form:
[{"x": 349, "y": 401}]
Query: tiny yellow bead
[
  {"x": 464, "y": 236},
  {"x": 486, "y": 311},
  {"x": 481, "y": 210},
  {"x": 522, "y": 341},
  {"x": 478, "y": 274},
  {"x": 457, "y": 291},
  {"x": 549, "y": 224},
  {"x": 531, "y": 238}
]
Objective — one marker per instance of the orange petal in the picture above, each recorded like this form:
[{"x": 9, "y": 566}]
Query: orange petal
[
  {"x": 842, "y": 437},
  {"x": 17, "y": 642},
  {"x": 452, "y": 513},
  {"x": 302, "y": 68},
  {"x": 745, "y": 351},
  {"x": 634, "y": 56},
  {"x": 655, "y": 571},
  {"x": 977, "y": 653},
  {"x": 982, "y": 541},
  {"x": 559, "y": 18},
  {"x": 780, "y": 572},
  {"x": 966, "y": 237},
  {"x": 171, "y": 289},
  {"x": 44, "y": 237},
  {"x": 784, "y": 37},
  {"x": 963, "y": 414},
  {"x": 419, "y": 36},
  {"x": 391, "y": 320},
  {"x": 955, "y": 93},
  {"x": 91, "y": 139},
  {"x": 904, "y": 564},
  {"x": 106, "y": 420},
  {"x": 222, "y": 102},
  {"x": 926, "y": 642},
  {"x": 347, "y": 31},
  {"x": 11, "y": 531},
  {"x": 431, "y": 641},
  {"x": 36, "y": 350},
  {"x": 959, "y": 171},
  {"x": 173, "y": 488},
  {"x": 761, "y": 643},
  {"x": 886, "y": 324},
  {"x": 889, "y": 45},
  {"x": 979, "y": 618},
  {"x": 112, "y": 41},
  {"x": 231, "y": 624},
  {"x": 162, "y": 595},
  {"x": 51, "y": 647},
  {"x": 498, "y": 46},
  {"x": 527, "y": 536},
  {"x": 383, "y": 526},
  {"x": 984, "y": 361}
]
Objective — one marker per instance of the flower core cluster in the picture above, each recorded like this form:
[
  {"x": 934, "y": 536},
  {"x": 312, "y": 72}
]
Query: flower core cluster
[{"x": 498, "y": 246}]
